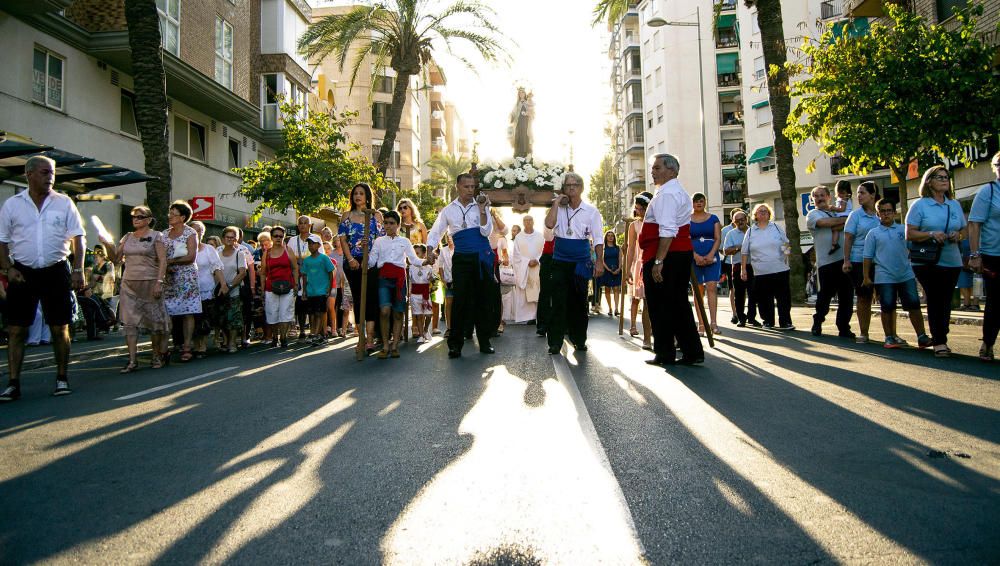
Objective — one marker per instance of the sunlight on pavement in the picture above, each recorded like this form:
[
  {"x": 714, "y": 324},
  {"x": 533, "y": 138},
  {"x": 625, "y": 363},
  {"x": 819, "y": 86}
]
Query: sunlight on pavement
[
  {"x": 531, "y": 479},
  {"x": 731, "y": 445}
]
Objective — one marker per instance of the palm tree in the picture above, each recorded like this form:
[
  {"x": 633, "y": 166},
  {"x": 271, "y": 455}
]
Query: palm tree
[
  {"x": 150, "y": 100},
  {"x": 772, "y": 35},
  {"x": 609, "y": 11},
  {"x": 399, "y": 34},
  {"x": 445, "y": 168}
]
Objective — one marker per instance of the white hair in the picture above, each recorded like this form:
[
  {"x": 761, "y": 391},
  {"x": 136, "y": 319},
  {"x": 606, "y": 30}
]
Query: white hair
[{"x": 35, "y": 160}]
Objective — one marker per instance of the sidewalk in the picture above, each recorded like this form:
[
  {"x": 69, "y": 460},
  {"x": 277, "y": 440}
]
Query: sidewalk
[{"x": 112, "y": 345}]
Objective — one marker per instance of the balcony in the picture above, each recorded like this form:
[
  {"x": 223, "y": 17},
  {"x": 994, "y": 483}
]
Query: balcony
[
  {"x": 731, "y": 119},
  {"x": 728, "y": 79},
  {"x": 831, "y": 9},
  {"x": 734, "y": 191},
  {"x": 727, "y": 40},
  {"x": 732, "y": 157}
]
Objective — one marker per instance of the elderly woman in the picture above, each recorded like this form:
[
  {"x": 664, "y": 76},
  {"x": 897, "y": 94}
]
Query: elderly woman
[
  {"x": 259, "y": 257},
  {"x": 937, "y": 217},
  {"x": 180, "y": 289},
  {"x": 209, "y": 276},
  {"x": 280, "y": 275},
  {"x": 235, "y": 260},
  {"x": 352, "y": 243},
  {"x": 984, "y": 243},
  {"x": 765, "y": 246},
  {"x": 861, "y": 221},
  {"x": 141, "y": 303}
]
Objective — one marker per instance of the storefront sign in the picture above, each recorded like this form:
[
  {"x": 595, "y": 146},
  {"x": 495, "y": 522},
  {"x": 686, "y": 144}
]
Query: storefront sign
[{"x": 202, "y": 208}]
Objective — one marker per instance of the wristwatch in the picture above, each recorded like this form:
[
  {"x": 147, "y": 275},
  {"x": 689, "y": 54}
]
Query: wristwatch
[
  {"x": 657, "y": 262},
  {"x": 77, "y": 270}
]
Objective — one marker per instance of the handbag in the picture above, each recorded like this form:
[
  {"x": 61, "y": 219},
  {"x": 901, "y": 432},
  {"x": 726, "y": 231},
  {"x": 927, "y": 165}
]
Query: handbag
[
  {"x": 180, "y": 250},
  {"x": 928, "y": 252},
  {"x": 281, "y": 287},
  {"x": 507, "y": 275}
]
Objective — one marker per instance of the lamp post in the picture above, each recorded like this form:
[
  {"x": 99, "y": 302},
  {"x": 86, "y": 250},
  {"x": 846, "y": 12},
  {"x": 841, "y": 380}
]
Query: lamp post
[{"x": 656, "y": 22}]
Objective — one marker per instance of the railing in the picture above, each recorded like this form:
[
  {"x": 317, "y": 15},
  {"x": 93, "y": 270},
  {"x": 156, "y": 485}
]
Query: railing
[
  {"x": 831, "y": 9},
  {"x": 635, "y": 138},
  {"x": 731, "y": 119},
  {"x": 725, "y": 41},
  {"x": 728, "y": 79},
  {"x": 732, "y": 157}
]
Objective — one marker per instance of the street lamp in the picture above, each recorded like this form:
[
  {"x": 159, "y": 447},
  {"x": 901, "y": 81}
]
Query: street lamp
[{"x": 656, "y": 22}]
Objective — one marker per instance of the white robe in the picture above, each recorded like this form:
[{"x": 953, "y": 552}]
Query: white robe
[{"x": 526, "y": 247}]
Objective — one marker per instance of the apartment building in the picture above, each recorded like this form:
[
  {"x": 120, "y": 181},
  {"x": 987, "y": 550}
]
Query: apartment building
[
  {"x": 69, "y": 86},
  {"x": 627, "y": 129}
]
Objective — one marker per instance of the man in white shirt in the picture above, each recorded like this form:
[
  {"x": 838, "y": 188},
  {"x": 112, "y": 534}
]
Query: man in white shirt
[
  {"x": 467, "y": 219},
  {"x": 37, "y": 227},
  {"x": 667, "y": 254},
  {"x": 578, "y": 227}
]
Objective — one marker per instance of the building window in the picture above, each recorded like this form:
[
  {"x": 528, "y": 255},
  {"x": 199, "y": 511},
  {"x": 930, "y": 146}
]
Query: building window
[
  {"x": 946, "y": 8},
  {"x": 768, "y": 164},
  {"x": 396, "y": 156},
  {"x": 384, "y": 84},
  {"x": 128, "y": 123},
  {"x": 758, "y": 68},
  {"x": 223, "y": 53},
  {"x": 658, "y": 74},
  {"x": 779, "y": 209},
  {"x": 763, "y": 115},
  {"x": 659, "y": 113},
  {"x": 170, "y": 24},
  {"x": 298, "y": 95},
  {"x": 656, "y": 39},
  {"x": 189, "y": 138},
  {"x": 47, "y": 79},
  {"x": 754, "y": 24},
  {"x": 380, "y": 115},
  {"x": 649, "y": 118},
  {"x": 234, "y": 154}
]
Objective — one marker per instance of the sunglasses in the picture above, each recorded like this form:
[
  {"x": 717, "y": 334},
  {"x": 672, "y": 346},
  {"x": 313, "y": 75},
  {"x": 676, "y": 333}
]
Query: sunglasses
[
  {"x": 940, "y": 177},
  {"x": 137, "y": 217}
]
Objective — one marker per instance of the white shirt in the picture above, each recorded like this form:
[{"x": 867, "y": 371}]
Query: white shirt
[
  {"x": 39, "y": 237},
  {"x": 456, "y": 217},
  {"x": 208, "y": 263},
  {"x": 582, "y": 223},
  {"x": 765, "y": 249},
  {"x": 298, "y": 248},
  {"x": 444, "y": 263},
  {"x": 392, "y": 249},
  {"x": 421, "y": 274},
  {"x": 671, "y": 208}
]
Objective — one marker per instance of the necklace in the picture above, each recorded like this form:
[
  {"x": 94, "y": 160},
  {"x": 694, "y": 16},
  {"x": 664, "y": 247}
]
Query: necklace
[
  {"x": 465, "y": 212},
  {"x": 569, "y": 220}
]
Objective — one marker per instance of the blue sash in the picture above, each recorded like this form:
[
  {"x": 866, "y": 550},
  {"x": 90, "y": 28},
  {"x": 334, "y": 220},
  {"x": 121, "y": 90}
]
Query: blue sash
[
  {"x": 471, "y": 241},
  {"x": 575, "y": 251}
]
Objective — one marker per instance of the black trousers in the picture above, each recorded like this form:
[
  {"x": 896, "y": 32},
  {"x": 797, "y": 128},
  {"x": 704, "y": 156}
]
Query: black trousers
[
  {"x": 833, "y": 281},
  {"x": 991, "y": 318},
  {"x": 474, "y": 292},
  {"x": 569, "y": 314},
  {"x": 544, "y": 312},
  {"x": 770, "y": 289},
  {"x": 743, "y": 293},
  {"x": 371, "y": 299},
  {"x": 939, "y": 286},
  {"x": 669, "y": 310}
]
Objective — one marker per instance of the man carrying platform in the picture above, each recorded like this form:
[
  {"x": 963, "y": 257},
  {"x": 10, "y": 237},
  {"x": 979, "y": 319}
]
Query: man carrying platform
[{"x": 469, "y": 222}]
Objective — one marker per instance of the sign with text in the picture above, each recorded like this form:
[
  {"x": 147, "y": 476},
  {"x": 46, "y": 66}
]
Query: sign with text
[{"x": 202, "y": 208}]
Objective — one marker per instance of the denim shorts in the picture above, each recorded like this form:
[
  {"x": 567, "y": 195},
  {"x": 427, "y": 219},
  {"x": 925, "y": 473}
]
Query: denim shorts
[
  {"x": 387, "y": 295},
  {"x": 906, "y": 291}
]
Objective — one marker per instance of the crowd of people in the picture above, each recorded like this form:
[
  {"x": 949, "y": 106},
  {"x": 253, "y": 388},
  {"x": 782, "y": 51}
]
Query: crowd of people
[{"x": 188, "y": 291}]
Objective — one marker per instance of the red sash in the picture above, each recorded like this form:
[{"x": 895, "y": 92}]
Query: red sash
[
  {"x": 422, "y": 289},
  {"x": 649, "y": 240},
  {"x": 396, "y": 273},
  {"x": 548, "y": 247}
]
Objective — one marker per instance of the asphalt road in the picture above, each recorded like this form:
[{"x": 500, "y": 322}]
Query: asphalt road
[{"x": 782, "y": 448}]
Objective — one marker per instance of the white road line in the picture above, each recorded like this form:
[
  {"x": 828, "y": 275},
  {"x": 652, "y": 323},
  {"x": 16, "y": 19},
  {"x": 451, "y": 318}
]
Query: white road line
[
  {"x": 176, "y": 383},
  {"x": 565, "y": 377}
]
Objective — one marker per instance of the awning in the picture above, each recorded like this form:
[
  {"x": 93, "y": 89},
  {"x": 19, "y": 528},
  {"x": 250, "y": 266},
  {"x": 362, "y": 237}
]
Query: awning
[
  {"x": 725, "y": 21},
  {"x": 855, "y": 27},
  {"x": 761, "y": 104},
  {"x": 726, "y": 62},
  {"x": 761, "y": 154},
  {"x": 75, "y": 174}
]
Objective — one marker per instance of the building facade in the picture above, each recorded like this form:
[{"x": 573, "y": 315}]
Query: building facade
[{"x": 69, "y": 85}]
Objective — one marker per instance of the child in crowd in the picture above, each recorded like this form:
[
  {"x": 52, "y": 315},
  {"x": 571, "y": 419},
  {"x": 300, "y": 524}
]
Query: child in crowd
[
  {"x": 389, "y": 253},
  {"x": 443, "y": 265},
  {"x": 319, "y": 272},
  {"x": 885, "y": 247},
  {"x": 843, "y": 206},
  {"x": 332, "y": 314},
  {"x": 420, "y": 295}
]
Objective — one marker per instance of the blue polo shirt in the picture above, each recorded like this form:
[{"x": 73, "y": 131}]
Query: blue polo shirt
[
  {"x": 886, "y": 247},
  {"x": 733, "y": 238},
  {"x": 858, "y": 224},
  {"x": 986, "y": 210},
  {"x": 929, "y": 215}
]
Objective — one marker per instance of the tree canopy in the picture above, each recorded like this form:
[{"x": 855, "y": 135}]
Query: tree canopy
[
  {"x": 315, "y": 167},
  {"x": 903, "y": 90}
]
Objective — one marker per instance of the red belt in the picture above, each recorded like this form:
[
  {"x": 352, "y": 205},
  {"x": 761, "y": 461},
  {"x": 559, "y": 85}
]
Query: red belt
[
  {"x": 422, "y": 289},
  {"x": 649, "y": 240},
  {"x": 396, "y": 273}
]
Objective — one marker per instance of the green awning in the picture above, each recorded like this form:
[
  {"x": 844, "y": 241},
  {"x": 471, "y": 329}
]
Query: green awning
[
  {"x": 726, "y": 62},
  {"x": 761, "y": 104},
  {"x": 855, "y": 27},
  {"x": 761, "y": 154},
  {"x": 725, "y": 21}
]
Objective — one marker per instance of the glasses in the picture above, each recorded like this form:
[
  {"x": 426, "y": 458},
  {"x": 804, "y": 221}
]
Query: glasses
[
  {"x": 403, "y": 207},
  {"x": 940, "y": 177},
  {"x": 572, "y": 184},
  {"x": 137, "y": 217}
]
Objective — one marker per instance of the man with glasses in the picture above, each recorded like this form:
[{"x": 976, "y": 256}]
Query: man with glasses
[
  {"x": 38, "y": 229},
  {"x": 578, "y": 228},
  {"x": 298, "y": 248},
  {"x": 741, "y": 292}
]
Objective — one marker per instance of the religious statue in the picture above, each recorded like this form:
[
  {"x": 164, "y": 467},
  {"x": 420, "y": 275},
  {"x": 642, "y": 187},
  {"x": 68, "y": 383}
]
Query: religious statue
[{"x": 519, "y": 131}]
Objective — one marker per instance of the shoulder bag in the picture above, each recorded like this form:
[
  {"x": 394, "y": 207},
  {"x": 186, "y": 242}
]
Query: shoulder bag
[{"x": 928, "y": 252}]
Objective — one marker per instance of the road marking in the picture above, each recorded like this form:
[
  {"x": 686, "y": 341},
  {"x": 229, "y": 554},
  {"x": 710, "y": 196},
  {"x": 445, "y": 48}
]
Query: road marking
[{"x": 176, "y": 383}]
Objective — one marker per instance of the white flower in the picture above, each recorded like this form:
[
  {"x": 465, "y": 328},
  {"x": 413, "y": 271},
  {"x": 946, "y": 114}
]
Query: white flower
[
  {"x": 509, "y": 177},
  {"x": 539, "y": 181},
  {"x": 557, "y": 183},
  {"x": 489, "y": 177},
  {"x": 498, "y": 184}
]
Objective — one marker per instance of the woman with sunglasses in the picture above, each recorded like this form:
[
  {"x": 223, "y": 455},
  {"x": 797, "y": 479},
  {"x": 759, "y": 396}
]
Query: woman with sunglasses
[
  {"x": 141, "y": 305},
  {"x": 938, "y": 217}
]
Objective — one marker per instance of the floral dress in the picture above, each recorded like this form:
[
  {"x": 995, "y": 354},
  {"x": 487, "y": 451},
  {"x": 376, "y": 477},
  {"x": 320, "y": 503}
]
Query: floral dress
[
  {"x": 355, "y": 232},
  {"x": 180, "y": 290}
]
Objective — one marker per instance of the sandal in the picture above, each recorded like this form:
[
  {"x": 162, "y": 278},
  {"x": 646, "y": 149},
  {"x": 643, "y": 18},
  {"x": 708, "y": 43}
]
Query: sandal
[
  {"x": 186, "y": 354},
  {"x": 633, "y": 331},
  {"x": 942, "y": 351},
  {"x": 715, "y": 330},
  {"x": 131, "y": 367},
  {"x": 383, "y": 354},
  {"x": 986, "y": 353},
  {"x": 158, "y": 360}
]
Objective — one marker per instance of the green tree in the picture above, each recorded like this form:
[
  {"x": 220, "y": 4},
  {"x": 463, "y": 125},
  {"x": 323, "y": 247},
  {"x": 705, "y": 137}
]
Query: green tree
[
  {"x": 149, "y": 82},
  {"x": 445, "y": 168},
  {"x": 609, "y": 10},
  {"x": 603, "y": 192},
  {"x": 427, "y": 203},
  {"x": 904, "y": 90},
  {"x": 315, "y": 168},
  {"x": 401, "y": 35}
]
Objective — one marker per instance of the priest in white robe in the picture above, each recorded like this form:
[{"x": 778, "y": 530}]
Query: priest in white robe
[{"x": 527, "y": 249}]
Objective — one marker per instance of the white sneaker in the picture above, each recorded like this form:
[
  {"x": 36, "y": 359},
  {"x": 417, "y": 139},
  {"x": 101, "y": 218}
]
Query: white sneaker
[
  {"x": 428, "y": 336},
  {"x": 420, "y": 339}
]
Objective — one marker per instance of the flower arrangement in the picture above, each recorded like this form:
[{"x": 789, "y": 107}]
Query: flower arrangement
[{"x": 522, "y": 171}]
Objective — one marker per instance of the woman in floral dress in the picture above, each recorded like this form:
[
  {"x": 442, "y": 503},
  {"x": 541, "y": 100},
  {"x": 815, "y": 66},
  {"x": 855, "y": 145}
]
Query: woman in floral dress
[
  {"x": 352, "y": 241},
  {"x": 180, "y": 291}
]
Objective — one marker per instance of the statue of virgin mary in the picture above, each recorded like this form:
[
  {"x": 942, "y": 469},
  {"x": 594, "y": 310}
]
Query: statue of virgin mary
[{"x": 519, "y": 131}]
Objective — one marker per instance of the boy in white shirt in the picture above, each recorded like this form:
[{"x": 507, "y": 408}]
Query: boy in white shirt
[{"x": 420, "y": 290}]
